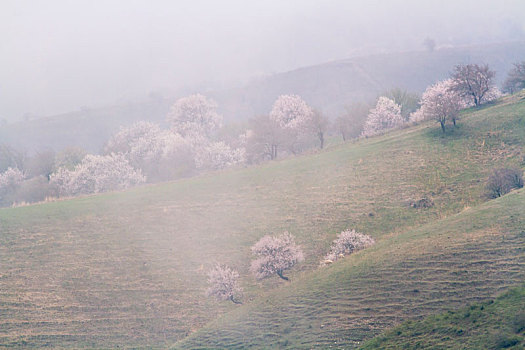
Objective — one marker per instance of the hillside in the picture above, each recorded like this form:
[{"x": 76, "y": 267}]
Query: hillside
[
  {"x": 333, "y": 85},
  {"x": 129, "y": 269},
  {"x": 496, "y": 324},
  {"x": 330, "y": 86},
  {"x": 441, "y": 266}
]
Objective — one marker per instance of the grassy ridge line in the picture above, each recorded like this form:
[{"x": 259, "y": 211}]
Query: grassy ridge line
[
  {"x": 496, "y": 324},
  {"x": 464, "y": 258},
  {"x": 129, "y": 268}
]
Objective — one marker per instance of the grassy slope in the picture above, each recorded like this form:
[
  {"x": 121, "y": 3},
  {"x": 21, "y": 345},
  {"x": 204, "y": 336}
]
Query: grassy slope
[
  {"x": 464, "y": 258},
  {"x": 129, "y": 268},
  {"x": 496, "y": 324}
]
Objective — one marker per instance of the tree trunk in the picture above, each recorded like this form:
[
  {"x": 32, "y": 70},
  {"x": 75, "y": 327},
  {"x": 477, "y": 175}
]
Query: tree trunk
[
  {"x": 280, "y": 273},
  {"x": 343, "y": 134},
  {"x": 454, "y": 121},
  {"x": 321, "y": 138},
  {"x": 442, "y": 126},
  {"x": 273, "y": 152},
  {"x": 235, "y": 301}
]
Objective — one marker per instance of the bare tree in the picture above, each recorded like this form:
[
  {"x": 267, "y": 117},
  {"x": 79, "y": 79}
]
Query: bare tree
[
  {"x": 42, "y": 163},
  {"x": 350, "y": 123},
  {"x": 224, "y": 284},
  {"x": 473, "y": 81},
  {"x": 11, "y": 158},
  {"x": 503, "y": 180},
  {"x": 515, "y": 80},
  {"x": 263, "y": 139},
  {"x": 409, "y": 102},
  {"x": 69, "y": 157},
  {"x": 320, "y": 124},
  {"x": 275, "y": 254}
]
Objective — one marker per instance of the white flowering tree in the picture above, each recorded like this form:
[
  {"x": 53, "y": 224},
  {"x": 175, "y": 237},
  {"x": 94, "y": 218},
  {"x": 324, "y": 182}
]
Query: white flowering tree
[
  {"x": 218, "y": 155},
  {"x": 224, "y": 284},
  {"x": 473, "y": 82},
  {"x": 124, "y": 140},
  {"x": 386, "y": 115},
  {"x": 348, "y": 242},
  {"x": 292, "y": 115},
  {"x": 440, "y": 102},
  {"x": 158, "y": 153},
  {"x": 194, "y": 114},
  {"x": 291, "y": 112},
  {"x": 350, "y": 123},
  {"x": 96, "y": 174},
  {"x": 10, "y": 180},
  {"x": 274, "y": 255}
]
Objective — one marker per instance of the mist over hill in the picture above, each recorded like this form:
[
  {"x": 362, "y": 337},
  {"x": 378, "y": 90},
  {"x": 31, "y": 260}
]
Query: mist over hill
[
  {"x": 333, "y": 85},
  {"x": 329, "y": 87}
]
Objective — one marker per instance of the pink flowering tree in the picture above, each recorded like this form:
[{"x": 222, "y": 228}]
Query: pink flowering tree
[
  {"x": 348, "y": 242},
  {"x": 194, "y": 114},
  {"x": 386, "y": 115},
  {"x": 263, "y": 139},
  {"x": 293, "y": 117},
  {"x": 274, "y": 255},
  {"x": 224, "y": 284},
  {"x": 440, "y": 102},
  {"x": 96, "y": 174},
  {"x": 473, "y": 82}
]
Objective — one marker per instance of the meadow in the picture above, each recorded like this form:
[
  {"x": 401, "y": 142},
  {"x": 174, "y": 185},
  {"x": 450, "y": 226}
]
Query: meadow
[{"x": 129, "y": 268}]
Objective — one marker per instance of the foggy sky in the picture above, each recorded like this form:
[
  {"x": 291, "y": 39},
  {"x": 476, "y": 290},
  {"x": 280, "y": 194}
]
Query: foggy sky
[{"x": 56, "y": 56}]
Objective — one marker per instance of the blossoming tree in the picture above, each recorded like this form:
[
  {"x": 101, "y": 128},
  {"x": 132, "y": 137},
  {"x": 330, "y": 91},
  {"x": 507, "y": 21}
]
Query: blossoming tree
[
  {"x": 275, "y": 254},
  {"x": 386, "y": 115}
]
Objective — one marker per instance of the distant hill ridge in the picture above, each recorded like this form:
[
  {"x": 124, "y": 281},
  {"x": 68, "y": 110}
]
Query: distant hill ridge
[{"x": 329, "y": 87}]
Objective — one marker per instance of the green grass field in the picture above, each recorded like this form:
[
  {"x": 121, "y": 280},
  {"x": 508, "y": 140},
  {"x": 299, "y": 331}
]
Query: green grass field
[
  {"x": 129, "y": 269},
  {"x": 496, "y": 324}
]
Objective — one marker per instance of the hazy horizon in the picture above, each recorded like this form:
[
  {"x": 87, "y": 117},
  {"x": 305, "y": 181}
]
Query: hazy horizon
[{"x": 58, "y": 56}]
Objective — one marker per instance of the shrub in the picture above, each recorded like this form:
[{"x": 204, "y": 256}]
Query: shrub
[
  {"x": 347, "y": 242},
  {"x": 503, "y": 180}
]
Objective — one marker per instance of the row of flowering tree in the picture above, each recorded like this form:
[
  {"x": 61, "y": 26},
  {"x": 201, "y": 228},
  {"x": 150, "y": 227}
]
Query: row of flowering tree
[
  {"x": 469, "y": 85},
  {"x": 146, "y": 152},
  {"x": 273, "y": 256}
]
